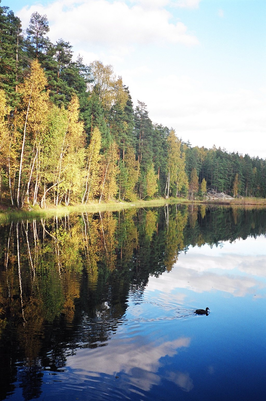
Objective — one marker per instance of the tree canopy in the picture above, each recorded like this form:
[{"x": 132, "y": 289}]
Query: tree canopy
[{"x": 70, "y": 133}]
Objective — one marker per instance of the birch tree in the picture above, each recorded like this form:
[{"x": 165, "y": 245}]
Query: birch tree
[
  {"x": 71, "y": 162},
  {"x": 52, "y": 150},
  {"x": 176, "y": 175},
  {"x": 109, "y": 88},
  {"x": 109, "y": 172},
  {"x": 151, "y": 185},
  {"x": 32, "y": 124},
  {"x": 92, "y": 164}
]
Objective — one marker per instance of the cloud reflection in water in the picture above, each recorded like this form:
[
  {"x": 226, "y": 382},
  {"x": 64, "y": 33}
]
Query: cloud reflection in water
[
  {"x": 236, "y": 269},
  {"x": 135, "y": 357}
]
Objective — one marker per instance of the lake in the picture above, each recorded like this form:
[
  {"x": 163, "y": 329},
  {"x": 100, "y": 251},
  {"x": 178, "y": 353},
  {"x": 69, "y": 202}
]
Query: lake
[{"x": 102, "y": 306}]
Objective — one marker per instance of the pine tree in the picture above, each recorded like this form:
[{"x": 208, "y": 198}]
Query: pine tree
[
  {"x": 160, "y": 155},
  {"x": 37, "y": 42},
  {"x": 94, "y": 117},
  {"x": 4, "y": 138},
  {"x": 144, "y": 145},
  {"x": 10, "y": 55},
  {"x": 143, "y": 133},
  {"x": 4, "y": 129},
  {"x": 58, "y": 57}
]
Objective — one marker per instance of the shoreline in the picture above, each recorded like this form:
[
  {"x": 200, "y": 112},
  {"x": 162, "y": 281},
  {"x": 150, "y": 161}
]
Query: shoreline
[{"x": 8, "y": 213}]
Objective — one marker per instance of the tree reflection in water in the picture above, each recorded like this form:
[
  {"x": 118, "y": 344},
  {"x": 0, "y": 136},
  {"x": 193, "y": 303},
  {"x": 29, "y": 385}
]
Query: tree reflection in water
[{"x": 65, "y": 282}]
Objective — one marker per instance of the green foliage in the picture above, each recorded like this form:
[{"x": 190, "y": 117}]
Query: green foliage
[
  {"x": 11, "y": 53},
  {"x": 54, "y": 107},
  {"x": 143, "y": 133},
  {"x": 160, "y": 155}
]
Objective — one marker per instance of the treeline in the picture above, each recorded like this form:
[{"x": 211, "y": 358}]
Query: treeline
[
  {"x": 231, "y": 173},
  {"x": 70, "y": 133}
]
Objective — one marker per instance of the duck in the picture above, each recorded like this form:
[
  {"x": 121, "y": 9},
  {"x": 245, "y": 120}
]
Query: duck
[{"x": 202, "y": 311}]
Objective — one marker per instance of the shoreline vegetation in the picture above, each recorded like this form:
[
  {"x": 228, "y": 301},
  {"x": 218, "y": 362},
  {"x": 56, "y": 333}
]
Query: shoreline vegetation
[{"x": 8, "y": 213}]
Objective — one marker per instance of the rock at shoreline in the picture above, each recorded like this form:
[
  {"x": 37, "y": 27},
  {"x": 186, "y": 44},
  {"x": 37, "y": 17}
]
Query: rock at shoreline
[{"x": 213, "y": 195}]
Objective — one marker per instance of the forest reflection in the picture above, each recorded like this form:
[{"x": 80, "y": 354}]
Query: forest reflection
[{"x": 65, "y": 282}]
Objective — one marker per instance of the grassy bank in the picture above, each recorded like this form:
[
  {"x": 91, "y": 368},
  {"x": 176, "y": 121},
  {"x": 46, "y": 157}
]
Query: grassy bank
[{"x": 8, "y": 214}]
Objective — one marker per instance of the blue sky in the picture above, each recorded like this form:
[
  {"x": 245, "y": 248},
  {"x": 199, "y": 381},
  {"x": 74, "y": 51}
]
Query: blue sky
[{"x": 199, "y": 65}]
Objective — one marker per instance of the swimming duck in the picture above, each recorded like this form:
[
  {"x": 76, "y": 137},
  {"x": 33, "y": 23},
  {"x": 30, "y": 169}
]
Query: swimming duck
[{"x": 202, "y": 311}]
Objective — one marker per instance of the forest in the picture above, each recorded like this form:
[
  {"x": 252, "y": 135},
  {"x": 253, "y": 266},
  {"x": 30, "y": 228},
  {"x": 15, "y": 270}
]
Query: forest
[{"x": 69, "y": 133}]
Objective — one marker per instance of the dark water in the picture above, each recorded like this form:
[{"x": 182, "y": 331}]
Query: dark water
[{"x": 101, "y": 307}]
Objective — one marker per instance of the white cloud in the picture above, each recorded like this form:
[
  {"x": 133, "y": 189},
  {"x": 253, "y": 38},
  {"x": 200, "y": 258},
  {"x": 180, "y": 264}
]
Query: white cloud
[
  {"x": 101, "y": 23},
  {"x": 187, "y": 3},
  {"x": 207, "y": 116},
  {"x": 151, "y": 3},
  {"x": 163, "y": 3}
]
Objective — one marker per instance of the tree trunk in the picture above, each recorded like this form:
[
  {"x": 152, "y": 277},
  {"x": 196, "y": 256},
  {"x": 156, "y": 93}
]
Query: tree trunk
[
  {"x": 87, "y": 186},
  {"x": 30, "y": 177},
  {"x": 10, "y": 182},
  {"x": 45, "y": 192},
  {"x": 22, "y": 150},
  {"x": 36, "y": 190},
  {"x": 167, "y": 186},
  {"x": 60, "y": 168},
  {"x": 104, "y": 181}
]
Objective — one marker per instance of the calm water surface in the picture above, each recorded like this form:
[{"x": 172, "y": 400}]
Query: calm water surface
[{"x": 101, "y": 307}]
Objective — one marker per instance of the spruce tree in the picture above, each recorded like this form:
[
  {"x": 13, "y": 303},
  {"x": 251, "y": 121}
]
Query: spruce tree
[{"x": 11, "y": 55}]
